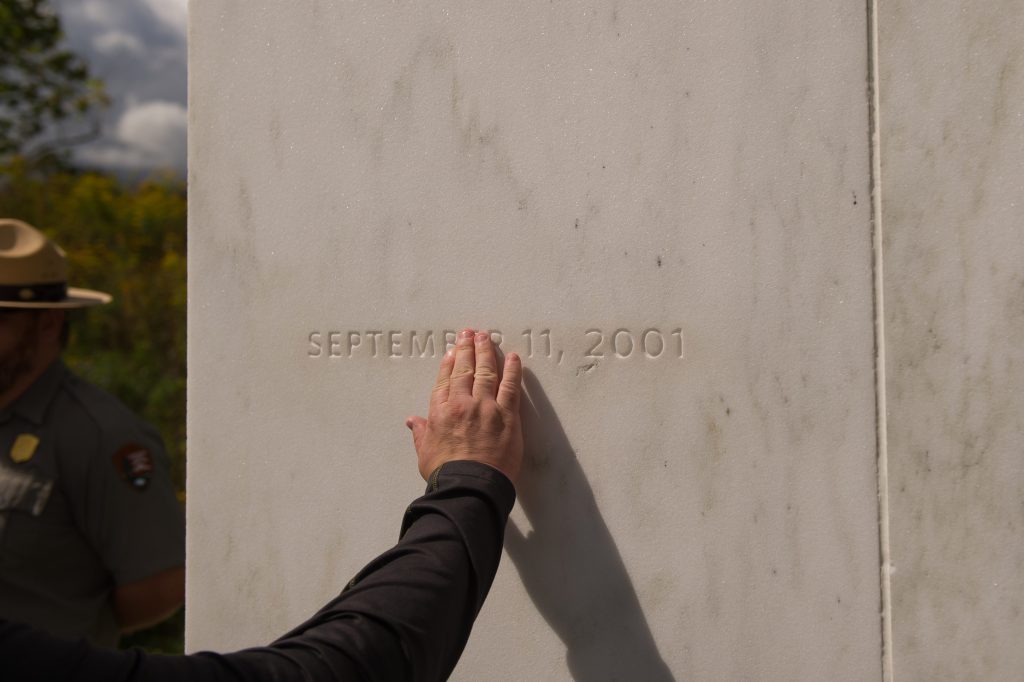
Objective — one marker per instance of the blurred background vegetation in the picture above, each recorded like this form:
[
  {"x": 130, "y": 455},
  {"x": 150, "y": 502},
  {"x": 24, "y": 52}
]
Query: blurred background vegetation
[
  {"x": 127, "y": 239},
  {"x": 129, "y": 242}
]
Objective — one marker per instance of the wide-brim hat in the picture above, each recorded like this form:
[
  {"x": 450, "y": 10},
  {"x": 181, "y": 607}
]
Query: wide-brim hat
[{"x": 34, "y": 271}]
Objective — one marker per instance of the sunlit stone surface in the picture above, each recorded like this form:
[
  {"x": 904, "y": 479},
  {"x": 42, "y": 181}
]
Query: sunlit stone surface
[
  {"x": 952, "y": 86},
  {"x": 664, "y": 206}
]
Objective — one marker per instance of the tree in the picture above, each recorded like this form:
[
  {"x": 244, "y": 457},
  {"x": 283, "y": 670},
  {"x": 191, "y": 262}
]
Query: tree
[{"x": 42, "y": 85}]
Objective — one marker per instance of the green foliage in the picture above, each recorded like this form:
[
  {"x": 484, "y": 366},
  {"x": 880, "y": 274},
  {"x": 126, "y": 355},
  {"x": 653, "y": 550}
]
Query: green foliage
[
  {"x": 41, "y": 84},
  {"x": 129, "y": 242}
]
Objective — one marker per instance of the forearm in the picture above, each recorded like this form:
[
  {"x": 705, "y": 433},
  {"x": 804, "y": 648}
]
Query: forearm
[
  {"x": 147, "y": 602},
  {"x": 411, "y": 609}
]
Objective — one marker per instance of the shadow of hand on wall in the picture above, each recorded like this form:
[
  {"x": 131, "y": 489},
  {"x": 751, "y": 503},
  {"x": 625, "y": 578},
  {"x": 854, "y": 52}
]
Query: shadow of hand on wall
[{"x": 569, "y": 563}]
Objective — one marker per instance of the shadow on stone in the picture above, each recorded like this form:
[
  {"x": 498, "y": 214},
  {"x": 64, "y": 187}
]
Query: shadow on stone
[{"x": 569, "y": 563}]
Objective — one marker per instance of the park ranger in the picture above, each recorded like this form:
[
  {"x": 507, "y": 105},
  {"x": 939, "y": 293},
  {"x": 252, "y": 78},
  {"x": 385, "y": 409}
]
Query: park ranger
[{"x": 91, "y": 533}]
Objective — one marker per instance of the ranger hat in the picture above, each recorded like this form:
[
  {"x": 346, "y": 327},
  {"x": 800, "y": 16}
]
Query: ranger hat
[{"x": 34, "y": 271}]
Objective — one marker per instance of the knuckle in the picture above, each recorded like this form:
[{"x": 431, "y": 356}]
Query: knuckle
[
  {"x": 486, "y": 373},
  {"x": 457, "y": 411}
]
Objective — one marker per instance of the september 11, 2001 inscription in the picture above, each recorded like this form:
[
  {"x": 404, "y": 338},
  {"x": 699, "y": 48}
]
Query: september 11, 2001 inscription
[{"x": 593, "y": 344}]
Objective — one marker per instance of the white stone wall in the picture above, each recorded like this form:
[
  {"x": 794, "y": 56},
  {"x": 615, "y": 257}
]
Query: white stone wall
[
  {"x": 952, "y": 93},
  {"x": 688, "y": 217}
]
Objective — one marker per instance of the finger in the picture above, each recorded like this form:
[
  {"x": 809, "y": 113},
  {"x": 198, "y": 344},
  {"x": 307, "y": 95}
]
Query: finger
[
  {"x": 465, "y": 360},
  {"x": 511, "y": 387},
  {"x": 417, "y": 425},
  {"x": 499, "y": 360},
  {"x": 485, "y": 377},
  {"x": 439, "y": 395}
]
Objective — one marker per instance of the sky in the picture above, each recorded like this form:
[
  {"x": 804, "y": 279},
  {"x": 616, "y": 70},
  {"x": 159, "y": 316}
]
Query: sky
[{"x": 138, "y": 48}]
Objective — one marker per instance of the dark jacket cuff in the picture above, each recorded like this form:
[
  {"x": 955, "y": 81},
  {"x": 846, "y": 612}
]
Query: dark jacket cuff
[{"x": 468, "y": 473}]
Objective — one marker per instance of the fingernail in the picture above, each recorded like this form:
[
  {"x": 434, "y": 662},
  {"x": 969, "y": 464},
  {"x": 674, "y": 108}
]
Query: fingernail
[
  {"x": 466, "y": 334},
  {"x": 482, "y": 336},
  {"x": 450, "y": 353},
  {"x": 513, "y": 357}
]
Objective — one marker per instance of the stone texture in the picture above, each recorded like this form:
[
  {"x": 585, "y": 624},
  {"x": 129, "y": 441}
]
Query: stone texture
[
  {"x": 360, "y": 167},
  {"x": 952, "y": 94}
]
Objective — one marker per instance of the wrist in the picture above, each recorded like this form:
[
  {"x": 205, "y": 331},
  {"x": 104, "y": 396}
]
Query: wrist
[{"x": 467, "y": 467}]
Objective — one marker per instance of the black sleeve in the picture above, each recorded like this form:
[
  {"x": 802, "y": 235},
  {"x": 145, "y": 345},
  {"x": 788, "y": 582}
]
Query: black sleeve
[{"x": 405, "y": 616}]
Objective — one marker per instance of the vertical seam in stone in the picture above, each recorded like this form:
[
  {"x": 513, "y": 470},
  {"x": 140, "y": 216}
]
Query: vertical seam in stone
[
  {"x": 191, "y": 334},
  {"x": 881, "y": 432}
]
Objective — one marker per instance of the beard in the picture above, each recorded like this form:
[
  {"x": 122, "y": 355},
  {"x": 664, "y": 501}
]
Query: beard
[{"x": 20, "y": 360}]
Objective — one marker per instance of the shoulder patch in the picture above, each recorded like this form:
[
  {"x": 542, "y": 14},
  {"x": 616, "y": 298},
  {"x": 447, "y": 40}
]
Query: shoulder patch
[
  {"x": 134, "y": 464},
  {"x": 24, "y": 447}
]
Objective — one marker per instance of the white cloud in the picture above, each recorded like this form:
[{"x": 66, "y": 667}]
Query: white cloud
[
  {"x": 158, "y": 128},
  {"x": 173, "y": 13},
  {"x": 114, "y": 41},
  {"x": 148, "y": 135}
]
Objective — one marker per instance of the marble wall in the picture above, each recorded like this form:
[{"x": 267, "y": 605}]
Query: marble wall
[
  {"x": 952, "y": 200},
  {"x": 670, "y": 210}
]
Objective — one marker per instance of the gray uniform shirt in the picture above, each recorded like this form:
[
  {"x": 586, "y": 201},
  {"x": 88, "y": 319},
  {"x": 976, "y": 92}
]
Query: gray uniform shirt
[{"x": 86, "y": 504}]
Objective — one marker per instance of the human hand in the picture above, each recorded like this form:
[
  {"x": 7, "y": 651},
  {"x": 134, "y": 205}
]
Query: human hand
[{"x": 474, "y": 411}]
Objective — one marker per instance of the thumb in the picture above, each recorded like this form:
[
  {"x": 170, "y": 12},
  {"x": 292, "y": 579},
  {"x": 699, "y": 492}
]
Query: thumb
[{"x": 417, "y": 425}]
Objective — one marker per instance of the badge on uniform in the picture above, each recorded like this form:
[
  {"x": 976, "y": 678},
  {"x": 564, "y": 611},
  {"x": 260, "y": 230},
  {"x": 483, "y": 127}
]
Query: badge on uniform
[
  {"x": 24, "y": 448},
  {"x": 135, "y": 465}
]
